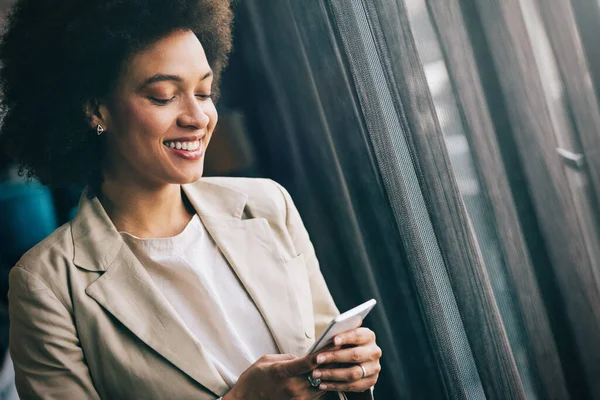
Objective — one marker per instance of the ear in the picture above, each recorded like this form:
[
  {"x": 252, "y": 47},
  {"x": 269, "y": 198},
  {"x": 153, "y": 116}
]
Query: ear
[{"x": 97, "y": 114}]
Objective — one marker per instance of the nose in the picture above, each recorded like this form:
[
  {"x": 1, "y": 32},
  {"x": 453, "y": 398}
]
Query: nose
[{"x": 193, "y": 116}]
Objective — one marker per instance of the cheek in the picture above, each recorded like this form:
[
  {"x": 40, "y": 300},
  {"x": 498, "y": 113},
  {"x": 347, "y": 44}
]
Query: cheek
[{"x": 141, "y": 121}]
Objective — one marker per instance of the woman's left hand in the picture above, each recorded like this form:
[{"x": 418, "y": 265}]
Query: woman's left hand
[{"x": 358, "y": 349}]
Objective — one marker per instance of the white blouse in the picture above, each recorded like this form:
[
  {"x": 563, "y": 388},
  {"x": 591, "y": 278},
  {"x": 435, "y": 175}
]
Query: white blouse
[{"x": 195, "y": 277}]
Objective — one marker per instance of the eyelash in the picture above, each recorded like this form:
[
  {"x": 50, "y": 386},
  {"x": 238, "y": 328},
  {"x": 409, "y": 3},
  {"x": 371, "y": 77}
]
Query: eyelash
[
  {"x": 164, "y": 102},
  {"x": 161, "y": 102}
]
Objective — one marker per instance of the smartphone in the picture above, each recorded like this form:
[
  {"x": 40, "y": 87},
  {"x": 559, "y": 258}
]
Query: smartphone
[{"x": 347, "y": 321}]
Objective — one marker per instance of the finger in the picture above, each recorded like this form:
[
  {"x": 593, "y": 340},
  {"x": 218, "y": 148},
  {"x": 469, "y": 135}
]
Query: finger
[
  {"x": 348, "y": 374},
  {"x": 356, "y": 386},
  {"x": 356, "y": 336},
  {"x": 330, "y": 347},
  {"x": 351, "y": 355},
  {"x": 299, "y": 366}
]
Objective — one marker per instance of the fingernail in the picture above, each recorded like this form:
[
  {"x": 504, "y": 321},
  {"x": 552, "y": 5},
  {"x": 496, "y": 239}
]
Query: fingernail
[
  {"x": 321, "y": 359},
  {"x": 323, "y": 386},
  {"x": 338, "y": 341},
  {"x": 317, "y": 374}
]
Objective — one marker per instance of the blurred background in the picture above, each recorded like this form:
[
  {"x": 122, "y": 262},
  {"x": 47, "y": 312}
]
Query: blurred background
[{"x": 444, "y": 157}]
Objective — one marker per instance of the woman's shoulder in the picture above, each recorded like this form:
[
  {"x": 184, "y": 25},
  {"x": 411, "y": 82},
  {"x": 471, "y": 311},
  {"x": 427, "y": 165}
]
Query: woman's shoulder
[
  {"x": 49, "y": 258},
  {"x": 253, "y": 187},
  {"x": 263, "y": 196},
  {"x": 258, "y": 198}
]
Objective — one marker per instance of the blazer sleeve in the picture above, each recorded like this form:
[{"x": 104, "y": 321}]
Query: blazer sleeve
[
  {"x": 323, "y": 305},
  {"x": 48, "y": 360}
]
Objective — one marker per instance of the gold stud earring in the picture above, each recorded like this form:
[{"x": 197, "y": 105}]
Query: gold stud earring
[{"x": 99, "y": 129}]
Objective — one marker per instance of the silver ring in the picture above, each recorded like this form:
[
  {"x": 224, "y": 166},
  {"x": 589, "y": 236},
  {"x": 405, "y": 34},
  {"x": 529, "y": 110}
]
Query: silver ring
[
  {"x": 364, "y": 371},
  {"x": 314, "y": 382}
]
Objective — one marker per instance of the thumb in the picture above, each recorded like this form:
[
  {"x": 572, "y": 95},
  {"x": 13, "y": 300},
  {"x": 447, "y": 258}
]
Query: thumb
[{"x": 275, "y": 358}]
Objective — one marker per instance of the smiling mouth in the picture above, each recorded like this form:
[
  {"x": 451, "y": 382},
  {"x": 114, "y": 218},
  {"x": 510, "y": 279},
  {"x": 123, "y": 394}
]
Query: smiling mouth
[{"x": 186, "y": 146}]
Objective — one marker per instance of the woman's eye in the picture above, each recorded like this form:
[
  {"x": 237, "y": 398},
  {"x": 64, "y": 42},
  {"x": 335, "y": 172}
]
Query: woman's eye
[
  {"x": 160, "y": 101},
  {"x": 204, "y": 96}
]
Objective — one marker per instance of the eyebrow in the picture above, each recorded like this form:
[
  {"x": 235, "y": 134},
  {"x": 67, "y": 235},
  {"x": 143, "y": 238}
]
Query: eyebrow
[{"x": 169, "y": 78}]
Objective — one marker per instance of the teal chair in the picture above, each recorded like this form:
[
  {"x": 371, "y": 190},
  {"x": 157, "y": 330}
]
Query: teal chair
[{"x": 27, "y": 216}]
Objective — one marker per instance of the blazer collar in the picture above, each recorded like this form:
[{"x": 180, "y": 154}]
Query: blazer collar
[{"x": 97, "y": 242}]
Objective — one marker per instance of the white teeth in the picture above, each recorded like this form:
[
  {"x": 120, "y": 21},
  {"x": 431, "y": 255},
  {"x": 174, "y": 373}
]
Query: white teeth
[{"x": 189, "y": 146}]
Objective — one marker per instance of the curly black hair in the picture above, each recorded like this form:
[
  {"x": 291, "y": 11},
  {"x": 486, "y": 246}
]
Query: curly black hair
[{"x": 57, "y": 55}]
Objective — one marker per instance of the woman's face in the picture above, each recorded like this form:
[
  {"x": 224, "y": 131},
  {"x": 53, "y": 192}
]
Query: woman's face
[{"x": 160, "y": 118}]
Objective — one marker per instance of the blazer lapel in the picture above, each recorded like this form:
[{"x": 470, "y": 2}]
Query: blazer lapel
[
  {"x": 127, "y": 291},
  {"x": 250, "y": 248}
]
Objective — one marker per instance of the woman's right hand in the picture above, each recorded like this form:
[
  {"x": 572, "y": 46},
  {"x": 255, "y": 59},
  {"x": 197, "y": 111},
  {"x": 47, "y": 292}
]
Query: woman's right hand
[{"x": 276, "y": 377}]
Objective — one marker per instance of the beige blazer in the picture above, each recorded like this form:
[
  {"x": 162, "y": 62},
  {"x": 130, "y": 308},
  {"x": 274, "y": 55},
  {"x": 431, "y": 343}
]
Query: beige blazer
[{"x": 87, "y": 321}]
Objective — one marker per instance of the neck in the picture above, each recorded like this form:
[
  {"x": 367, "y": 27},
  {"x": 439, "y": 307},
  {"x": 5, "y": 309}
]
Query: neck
[{"x": 146, "y": 212}]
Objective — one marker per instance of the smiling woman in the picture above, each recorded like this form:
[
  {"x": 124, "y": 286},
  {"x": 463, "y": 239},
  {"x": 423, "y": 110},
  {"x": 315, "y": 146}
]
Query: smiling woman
[
  {"x": 89, "y": 62},
  {"x": 164, "y": 285}
]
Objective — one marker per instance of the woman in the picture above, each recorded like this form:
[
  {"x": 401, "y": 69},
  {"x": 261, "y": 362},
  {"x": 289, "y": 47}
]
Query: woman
[{"x": 164, "y": 285}]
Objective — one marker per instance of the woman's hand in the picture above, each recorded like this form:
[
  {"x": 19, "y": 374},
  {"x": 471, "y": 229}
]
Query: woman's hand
[
  {"x": 359, "y": 349},
  {"x": 280, "y": 376}
]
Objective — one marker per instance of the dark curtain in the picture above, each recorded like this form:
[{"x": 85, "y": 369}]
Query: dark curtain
[
  {"x": 352, "y": 134},
  {"x": 290, "y": 77},
  {"x": 468, "y": 209}
]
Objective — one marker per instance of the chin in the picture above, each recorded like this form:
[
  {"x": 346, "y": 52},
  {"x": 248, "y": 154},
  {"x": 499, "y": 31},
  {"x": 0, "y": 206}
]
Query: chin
[
  {"x": 192, "y": 180},
  {"x": 192, "y": 177},
  {"x": 181, "y": 176},
  {"x": 188, "y": 174}
]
